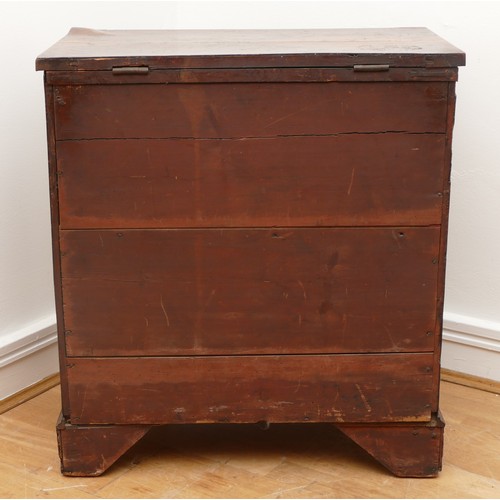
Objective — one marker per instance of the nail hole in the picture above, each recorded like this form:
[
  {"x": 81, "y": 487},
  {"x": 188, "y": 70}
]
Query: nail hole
[
  {"x": 263, "y": 425},
  {"x": 401, "y": 235}
]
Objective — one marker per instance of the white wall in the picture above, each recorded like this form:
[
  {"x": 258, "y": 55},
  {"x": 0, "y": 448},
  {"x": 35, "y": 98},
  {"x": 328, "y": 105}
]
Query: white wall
[{"x": 26, "y": 29}]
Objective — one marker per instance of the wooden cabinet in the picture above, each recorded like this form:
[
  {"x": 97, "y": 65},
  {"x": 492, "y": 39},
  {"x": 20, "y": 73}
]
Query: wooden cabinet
[{"x": 250, "y": 226}]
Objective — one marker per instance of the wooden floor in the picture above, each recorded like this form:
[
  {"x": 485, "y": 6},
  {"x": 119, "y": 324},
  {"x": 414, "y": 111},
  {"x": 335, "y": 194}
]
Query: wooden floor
[{"x": 223, "y": 461}]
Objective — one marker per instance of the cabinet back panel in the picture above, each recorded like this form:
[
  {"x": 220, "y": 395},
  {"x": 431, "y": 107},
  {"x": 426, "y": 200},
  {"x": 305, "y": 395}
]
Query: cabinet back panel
[
  {"x": 237, "y": 291},
  {"x": 225, "y": 110}
]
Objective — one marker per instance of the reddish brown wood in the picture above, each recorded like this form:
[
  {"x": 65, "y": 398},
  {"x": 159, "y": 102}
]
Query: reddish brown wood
[
  {"x": 321, "y": 388},
  {"x": 230, "y": 110},
  {"x": 443, "y": 239},
  {"x": 91, "y": 450},
  {"x": 292, "y": 181},
  {"x": 284, "y": 290},
  {"x": 251, "y": 229},
  {"x": 56, "y": 255},
  {"x": 408, "y": 450},
  {"x": 231, "y": 75},
  {"x": 402, "y": 47}
]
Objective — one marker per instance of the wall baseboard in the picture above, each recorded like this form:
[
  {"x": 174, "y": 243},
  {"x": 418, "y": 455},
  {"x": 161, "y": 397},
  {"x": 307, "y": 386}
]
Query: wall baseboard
[
  {"x": 29, "y": 393},
  {"x": 472, "y": 331},
  {"x": 27, "y": 340},
  {"x": 483, "y": 384},
  {"x": 27, "y": 356},
  {"x": 471, "y": 346}
]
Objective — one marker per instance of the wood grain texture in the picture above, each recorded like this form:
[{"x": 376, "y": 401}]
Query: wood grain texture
[
  {"x": 443, "y": 243},
  {"x": 89, "y": 451},
  {"x": 225, "y": 110},
  {"x": 251, "y": 229},
  {"x": 54, "y": 218},
  {"x": 232, "y": 75},
  {"x": 92, "y": 49},
  {"x": 411, "y": 449},
  {"x": 374, "y": 179},
  {"x": 238, "y": 389},
  {"x": 236, "y": 291},
  {"x": 242, "y": 461},
  {"x": 408, "y": 451},
  {"x": 467, "y": 380}
]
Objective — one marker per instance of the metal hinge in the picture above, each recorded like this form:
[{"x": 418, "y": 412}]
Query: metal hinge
[
  {"x": 130, "y": 70},
  {"x": 371, "y": 67}
]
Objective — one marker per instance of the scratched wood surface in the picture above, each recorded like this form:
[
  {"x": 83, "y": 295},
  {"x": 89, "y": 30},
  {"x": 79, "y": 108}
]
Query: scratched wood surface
[
  {"x": 225, "y": 110},
  {"x": 413, "y": 449},
  {"x": 78, "y": 455},
  {"x": 242, "y": 461},
  {"x": 374, "y": 179},
  {"x": 320, "y": 388},
  {"x": 410, "y": 450},
  {"x": 221, "y": 310},
  {"x": 102, "y": 49},
  {"x": 235, "y": 291}
]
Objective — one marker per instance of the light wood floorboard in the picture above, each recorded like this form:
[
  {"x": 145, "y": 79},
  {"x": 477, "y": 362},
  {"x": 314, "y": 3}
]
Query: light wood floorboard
[{"x": 223, "y": 461}]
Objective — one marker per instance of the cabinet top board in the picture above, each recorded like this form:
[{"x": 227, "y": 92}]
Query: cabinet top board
[{"x": 87, "y": 49}]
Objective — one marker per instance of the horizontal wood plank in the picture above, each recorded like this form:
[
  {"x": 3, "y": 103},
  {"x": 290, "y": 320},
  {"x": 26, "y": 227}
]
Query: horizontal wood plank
[
  {"x": 373, "y": 179},
  {"x": 224, "y": 110},
  {"x": 342, "y": 388},
  {"x": 285, "y": 290},
  {"x": 229, "y": 75}
]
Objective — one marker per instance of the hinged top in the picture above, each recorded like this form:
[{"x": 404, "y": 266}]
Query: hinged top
[{"x": 86, "y": 49}]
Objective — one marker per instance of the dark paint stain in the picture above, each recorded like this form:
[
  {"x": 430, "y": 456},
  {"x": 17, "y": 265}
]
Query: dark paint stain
[
  {"x": 212, "y": 119},
  {"x": 325, "y": 307},
  {"x": 333, "y": 261}
]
